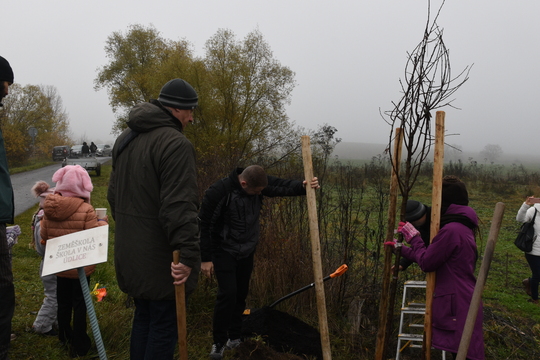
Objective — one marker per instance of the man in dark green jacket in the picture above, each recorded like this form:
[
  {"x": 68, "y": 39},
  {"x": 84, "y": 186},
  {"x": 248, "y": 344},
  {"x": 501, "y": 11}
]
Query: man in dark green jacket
[
  {"x": 7, "y": 290},
  {"x": 153, "y": 198}
]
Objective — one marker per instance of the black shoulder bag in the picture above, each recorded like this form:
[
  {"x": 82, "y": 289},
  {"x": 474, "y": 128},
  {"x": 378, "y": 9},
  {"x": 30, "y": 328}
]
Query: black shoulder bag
[{"x": 526, "y": 237}]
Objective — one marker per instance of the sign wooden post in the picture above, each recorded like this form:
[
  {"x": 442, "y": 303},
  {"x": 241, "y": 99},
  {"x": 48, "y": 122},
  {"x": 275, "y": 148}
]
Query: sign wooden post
[
  {"x": 316, "y": 249},
  {"x": 181, "y": 321},
  {"x": 436, "y": 198},
  {"x": 480, "y": 282},
  {"x": 385, "y": 305}
]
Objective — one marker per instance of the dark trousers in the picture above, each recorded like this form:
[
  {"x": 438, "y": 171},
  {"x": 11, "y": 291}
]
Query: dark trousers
[
  {"x": 7, "y": 294},
  {"x": 534, "y": 264},
  {"x": 71, "y": 304},
  {"x": 154, "y": 333},
  {"x": 233, "y": 286}
]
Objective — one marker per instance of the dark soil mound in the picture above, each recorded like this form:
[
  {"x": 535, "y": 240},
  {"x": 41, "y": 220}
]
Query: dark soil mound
[
  {"x": 283, "y": 332},
  {"x": 255, "y": 350}
]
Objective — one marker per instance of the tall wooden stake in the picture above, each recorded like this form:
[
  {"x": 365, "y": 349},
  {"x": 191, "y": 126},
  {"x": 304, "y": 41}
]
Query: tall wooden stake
[
  {"x": 436, "y": 198},
  {"x": 181, "y": 321},
  {"x": 316, "y": 249},
  {"x": 386, "y": 306},
  {"x": 480, "y": 282}
]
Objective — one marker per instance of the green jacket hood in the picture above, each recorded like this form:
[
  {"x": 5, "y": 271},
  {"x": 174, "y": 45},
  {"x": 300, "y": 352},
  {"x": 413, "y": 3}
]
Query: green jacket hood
[{"x": 148, "y": 116}]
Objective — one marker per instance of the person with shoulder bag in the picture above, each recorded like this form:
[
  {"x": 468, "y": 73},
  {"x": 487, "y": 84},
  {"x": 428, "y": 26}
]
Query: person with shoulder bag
[{"x": 525, "y": 214}]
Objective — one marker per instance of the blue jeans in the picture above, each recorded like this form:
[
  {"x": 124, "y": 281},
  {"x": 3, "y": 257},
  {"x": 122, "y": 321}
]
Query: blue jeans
[
  {"x": 154, "y": 333},
  {"x": 534, "y": 264}
]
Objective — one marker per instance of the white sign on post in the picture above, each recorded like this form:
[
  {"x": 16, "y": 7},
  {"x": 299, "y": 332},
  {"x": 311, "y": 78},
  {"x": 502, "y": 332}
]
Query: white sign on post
[{"x": 76, "y": 250}]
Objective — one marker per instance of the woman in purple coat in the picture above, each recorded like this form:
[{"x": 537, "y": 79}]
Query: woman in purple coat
[{"x": 452, "y": 255}]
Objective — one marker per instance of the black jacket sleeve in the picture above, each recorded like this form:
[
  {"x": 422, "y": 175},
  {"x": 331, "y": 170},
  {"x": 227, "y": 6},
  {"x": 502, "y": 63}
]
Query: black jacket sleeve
[
  {"x": 209, "y": 214},
  {"x": 283, "y": 187}
]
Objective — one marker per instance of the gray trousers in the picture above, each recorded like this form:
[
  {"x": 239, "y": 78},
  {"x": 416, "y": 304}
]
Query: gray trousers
[{"x": 46, "y": 316}]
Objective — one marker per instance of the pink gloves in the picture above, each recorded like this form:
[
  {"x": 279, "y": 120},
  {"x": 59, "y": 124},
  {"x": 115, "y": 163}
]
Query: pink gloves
[
  {"x": 393, "y": 243},
  {"x": 408, "y": 230}
]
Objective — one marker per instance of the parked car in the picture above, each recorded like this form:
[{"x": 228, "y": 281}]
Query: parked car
[
  {"x": 60, "y": 152},
  {"x": 104, "y": 150},
  {"x": 76, "y": 151}
]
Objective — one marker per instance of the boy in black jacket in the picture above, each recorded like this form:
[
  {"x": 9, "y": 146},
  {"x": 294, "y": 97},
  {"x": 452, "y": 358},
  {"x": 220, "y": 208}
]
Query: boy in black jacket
[{"x": 229, "y": 218}]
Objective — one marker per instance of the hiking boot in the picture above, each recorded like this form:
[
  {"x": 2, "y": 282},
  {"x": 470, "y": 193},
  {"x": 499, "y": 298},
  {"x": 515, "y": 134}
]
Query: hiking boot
[
  {"x": 527, "y": 285},
  {"x": 533, "y": 301},
  {"x": 217, "y": 352},
  {"x": 231, "y": 344}
]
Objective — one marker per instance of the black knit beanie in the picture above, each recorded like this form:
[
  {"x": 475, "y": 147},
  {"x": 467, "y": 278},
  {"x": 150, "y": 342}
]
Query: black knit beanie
[
  {"x": 454, "y": 191},
  {"x": 415, "y": 210},
  {"x": 6, "y": 73}
]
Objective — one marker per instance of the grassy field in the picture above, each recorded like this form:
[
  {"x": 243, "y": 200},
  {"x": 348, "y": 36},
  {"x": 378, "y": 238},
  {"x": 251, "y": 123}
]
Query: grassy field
[{"x": 510, "y": 327}]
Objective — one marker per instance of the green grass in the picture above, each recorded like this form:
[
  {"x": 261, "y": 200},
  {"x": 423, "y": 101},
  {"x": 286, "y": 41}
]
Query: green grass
[
  {"x": 510, "y": 325},
  {"x": 32, "y": 165}
]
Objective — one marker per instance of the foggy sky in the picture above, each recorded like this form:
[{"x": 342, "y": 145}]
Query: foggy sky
[{"x": 348, "y": 57}]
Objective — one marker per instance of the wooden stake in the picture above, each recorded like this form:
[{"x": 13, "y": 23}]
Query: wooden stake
[
  {"x": 180, "y": 294},
  {"x": 385, "y": 305},
  {"x": 316, "y": 249},
  {"x": 480, "y": 282},
  {"x": 436, "y": 198}
]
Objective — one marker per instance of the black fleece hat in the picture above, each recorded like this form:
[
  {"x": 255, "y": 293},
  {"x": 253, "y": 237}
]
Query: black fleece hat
[
  {"x": 454, "y": 191},
  {"x": 415, "y": 210},
  {"x": 6, "y": 73}
]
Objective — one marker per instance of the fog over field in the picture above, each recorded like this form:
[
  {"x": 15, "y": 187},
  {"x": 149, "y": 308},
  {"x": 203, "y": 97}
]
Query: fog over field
[{"x": 366, "y": 151}]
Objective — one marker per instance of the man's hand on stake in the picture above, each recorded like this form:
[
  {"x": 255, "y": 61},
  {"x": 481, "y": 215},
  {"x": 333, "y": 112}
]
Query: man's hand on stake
[
  {"x": 180, "y": 273},
  {"x": 314, "y": 183}
]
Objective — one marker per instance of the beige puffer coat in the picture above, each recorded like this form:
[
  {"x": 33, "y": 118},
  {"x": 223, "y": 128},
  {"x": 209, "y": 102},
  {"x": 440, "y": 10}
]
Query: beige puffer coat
[{"x": 65, "y": 215}]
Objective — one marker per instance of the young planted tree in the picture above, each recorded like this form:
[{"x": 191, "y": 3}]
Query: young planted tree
[{"x": 428, "y": 85}]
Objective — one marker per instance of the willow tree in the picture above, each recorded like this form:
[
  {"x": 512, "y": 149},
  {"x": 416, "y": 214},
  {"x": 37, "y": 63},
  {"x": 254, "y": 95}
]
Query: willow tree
[
  {"x": 35, "y": 106},
  {"x": 247, "y": 90},
  {"x": 428, "y": 85},
  {"x": 141, "y": 61},
  {"x": 242, "y": 88}
]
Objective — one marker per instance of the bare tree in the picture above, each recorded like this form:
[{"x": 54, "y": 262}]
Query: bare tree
[
  {"x": 491, "y": 153},
  {"x": 428, "y": 85}
]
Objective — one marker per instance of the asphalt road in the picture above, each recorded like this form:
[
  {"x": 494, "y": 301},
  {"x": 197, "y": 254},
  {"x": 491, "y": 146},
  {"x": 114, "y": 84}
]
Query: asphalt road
[{"x": 23, "y": 182}]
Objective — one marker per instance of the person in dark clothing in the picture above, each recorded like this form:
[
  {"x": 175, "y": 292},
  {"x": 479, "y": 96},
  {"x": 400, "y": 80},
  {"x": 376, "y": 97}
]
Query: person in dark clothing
[
  {"x": 7, "y": 209},
  {"x": 419, "y": 215},
  {"x": 154, "y": 200},
  {"x": 85, "y": 150},
  {"x": 229, "y": 221},
  {"x": 93, "y": 148}
]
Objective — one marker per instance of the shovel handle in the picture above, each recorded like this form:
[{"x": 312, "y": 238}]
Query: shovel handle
[
  {"x": 181, "y": 321},
  {"x": 339, "y": 271}
]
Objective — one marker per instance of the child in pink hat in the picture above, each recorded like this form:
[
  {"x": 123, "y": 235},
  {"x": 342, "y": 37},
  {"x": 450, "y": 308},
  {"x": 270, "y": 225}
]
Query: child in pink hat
[{"x": 68, "y": 210}]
